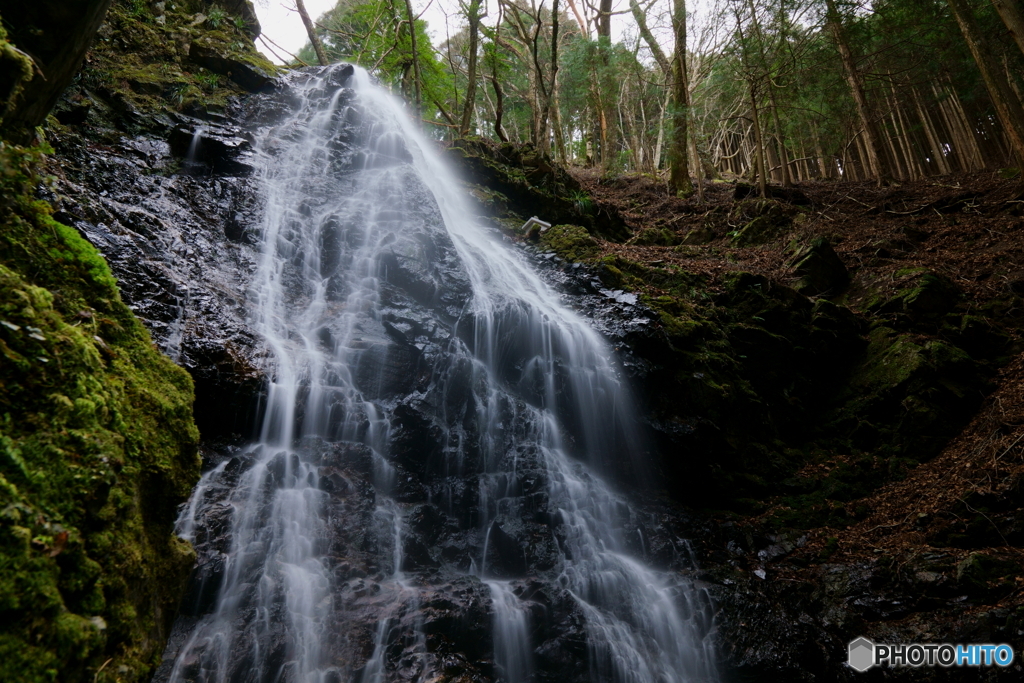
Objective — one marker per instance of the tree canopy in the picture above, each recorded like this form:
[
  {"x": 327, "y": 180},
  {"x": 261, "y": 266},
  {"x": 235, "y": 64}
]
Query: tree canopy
[{"x": 778, "y": 90}]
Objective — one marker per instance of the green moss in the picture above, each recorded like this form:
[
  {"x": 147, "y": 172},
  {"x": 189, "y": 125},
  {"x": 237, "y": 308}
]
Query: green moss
[
  {"x": 98, "y": 448},
  {"x": 890, "y": 361},
  {"x": 571, "y": 242},
  {"x": 142, "y": 67},
  {"x": 16, "y": 66},
  {"x": 759, "y": 221},
  {"x": 656, "y": 237}
]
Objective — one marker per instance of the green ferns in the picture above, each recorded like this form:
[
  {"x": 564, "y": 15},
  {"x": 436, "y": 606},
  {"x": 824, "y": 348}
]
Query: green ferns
[{"x": 97, "y": 448}]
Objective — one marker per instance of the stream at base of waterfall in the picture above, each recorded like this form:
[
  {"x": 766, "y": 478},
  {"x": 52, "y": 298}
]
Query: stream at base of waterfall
[{"x": 427, "y": 498}]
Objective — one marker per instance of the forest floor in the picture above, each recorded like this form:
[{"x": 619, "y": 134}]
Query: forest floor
[{"x": 967, "y": 227}]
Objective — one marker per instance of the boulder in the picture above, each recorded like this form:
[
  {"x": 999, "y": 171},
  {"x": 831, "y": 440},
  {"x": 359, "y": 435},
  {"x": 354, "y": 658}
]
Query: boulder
[
  {"x": 249, "y": 76},
  {"x": 244, "y": 10},
  {"x": 209, "y": 147},
  {"x": 819, "y": 269}
]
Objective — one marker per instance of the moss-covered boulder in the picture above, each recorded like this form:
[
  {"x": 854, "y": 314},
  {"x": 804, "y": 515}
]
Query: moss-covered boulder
[
  {"x": 818, "y": 269},
  {"x": 97, "y": 450},
  {"x": 57, "y": 34},
  {"x": 151, "y": 61},
  {"x": 660, "y": 237},
  {"x": 923, "y": 296},
  {"x": 759, "y": 221},
  {"x": 908, "y": 394},
  {"x": 571, "y": 242},
  {"x": 533, "y": 185},
  {"x": 252, "y": 77}
]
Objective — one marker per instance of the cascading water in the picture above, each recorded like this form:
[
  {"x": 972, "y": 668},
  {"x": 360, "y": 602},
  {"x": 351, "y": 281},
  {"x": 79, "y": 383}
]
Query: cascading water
[{"x": 433, "y": 441}]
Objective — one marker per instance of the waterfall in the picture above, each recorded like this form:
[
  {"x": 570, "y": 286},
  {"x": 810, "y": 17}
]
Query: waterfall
[{"x": 439, "y": 428}]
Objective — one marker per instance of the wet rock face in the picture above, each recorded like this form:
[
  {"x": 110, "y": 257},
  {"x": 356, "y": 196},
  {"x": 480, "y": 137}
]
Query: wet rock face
[{"x": 182, "y": 248}]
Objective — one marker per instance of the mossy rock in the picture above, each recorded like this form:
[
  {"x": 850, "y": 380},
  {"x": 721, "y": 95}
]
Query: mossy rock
[
  {"x": 924, "y": 296},
  {"x": 819, "y": 269},
  {"x": 571, "y": 242},
  {"x": 139, "y": 72},
  {"x": 763, "y": 220},
  {"x": 97, "y": 450},
  {"x": 908, "y": 394},
  {"x": 985, "y": 575},
  {"x": 534, "y": 185},
  {"x": 701, "y": 235},
  {"x": 656, "y": 237}
]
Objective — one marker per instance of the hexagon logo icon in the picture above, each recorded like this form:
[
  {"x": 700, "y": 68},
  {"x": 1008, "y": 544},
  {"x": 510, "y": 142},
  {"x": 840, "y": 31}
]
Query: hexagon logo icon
[{"x": 862, "y": 654}]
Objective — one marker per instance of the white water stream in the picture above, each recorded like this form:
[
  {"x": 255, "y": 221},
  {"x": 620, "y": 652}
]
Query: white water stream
[{"x": 330, "y": 231}]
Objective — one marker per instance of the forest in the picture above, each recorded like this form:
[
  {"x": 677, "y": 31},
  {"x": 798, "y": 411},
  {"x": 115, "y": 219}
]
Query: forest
[{"x": 778, "y": 91}]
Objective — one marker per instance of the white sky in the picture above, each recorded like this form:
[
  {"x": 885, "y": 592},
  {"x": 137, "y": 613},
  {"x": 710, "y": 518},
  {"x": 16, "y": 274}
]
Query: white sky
[{"x": 282, "y": 25}]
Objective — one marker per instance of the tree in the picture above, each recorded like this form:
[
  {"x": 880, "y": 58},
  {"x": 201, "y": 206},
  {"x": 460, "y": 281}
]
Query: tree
[
  {"x": 311, "y": 32},
  {"x": 876, "y": 156},
  {"x": 1007, "y": 105},
  {"x": 383, "y": 37},
  {"x": 679, "y": 171},
  {"x": 473, "y": 15},
  {"x": 1011, "y": 14}
]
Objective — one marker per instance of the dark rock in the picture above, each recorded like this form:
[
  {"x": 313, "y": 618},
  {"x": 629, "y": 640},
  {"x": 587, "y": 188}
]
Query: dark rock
[
  {"x": 244, "y": 10},
  {"x": 533, "y": 185},
  {"x": 506, "y": 556},
  {"x": 56, "y": 34},
  {"x": 790, "y": 195},
  {"x": 249, "y": 76},
  {"x": 819, "y": 269},
  {"x": 222, "y": 149},
  {"x": 699, "y": 236},
  {"x": 763, "y": 220},
  {"x": 925, "y": 296}
]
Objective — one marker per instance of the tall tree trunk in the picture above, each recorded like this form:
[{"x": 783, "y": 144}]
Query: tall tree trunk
[
  {"x": 967, "y": 126},
  {"x": 1013, "y": 17},
  {"x": 604, "y": 21},
  {"x": 780, "y": 139},
  {"x": 556, "y": 126},
  {"x": 876, "y": 156},
  {"x": 762, "y": 175},
  {"x": 499, "y": 100},
  {"x": 824, "y": 164},
  {"x": 609, "y": 138},
  {"x": 318, "y": 47},
  {"x": 415, "y": 58},
  {"x": 551, "y": 118},
  {"x": 1008, "y": 107},
  {"x": 666, "y": 70},
  {"x": 679, "y": 182},
  {"x": 652, "y": 44},
  {"x": 473, "y": 15},
  {"x": 938, "y": 153},
  {"x": 958, "y": 145},
  {"x": 661, "y": 128}
]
